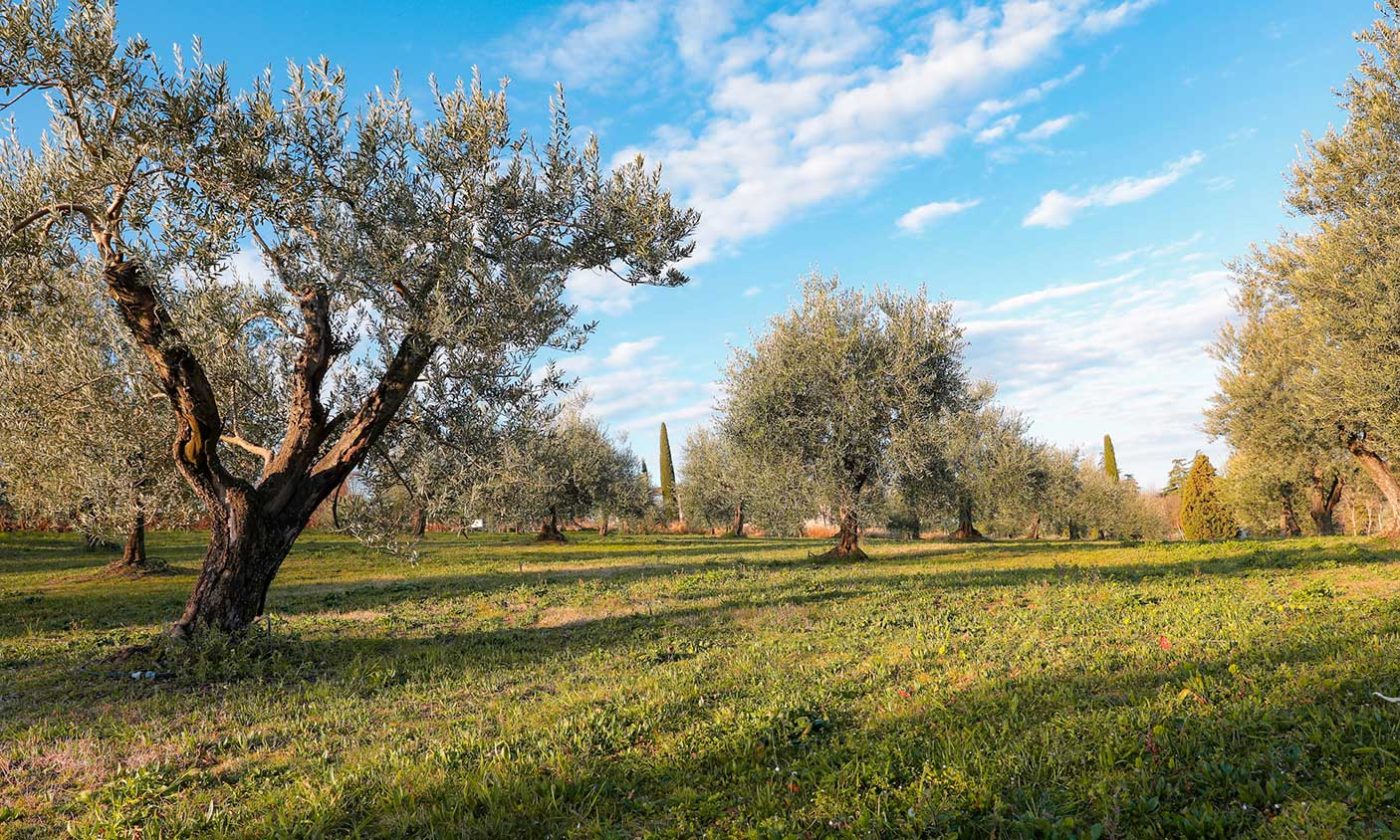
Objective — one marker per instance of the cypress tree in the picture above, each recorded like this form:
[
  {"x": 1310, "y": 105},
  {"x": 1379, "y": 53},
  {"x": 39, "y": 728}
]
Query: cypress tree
[
  {"x": 669, "y": 509},
  {"x": 1204, "y": 515},
  {"x": 1110, "y": 460}
]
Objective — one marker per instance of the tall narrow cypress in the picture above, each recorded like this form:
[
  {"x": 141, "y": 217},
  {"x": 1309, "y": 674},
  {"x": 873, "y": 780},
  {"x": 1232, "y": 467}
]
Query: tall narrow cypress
[
  {"x": 1110, "y": 460},
  {"x": 669, "y": 510}
]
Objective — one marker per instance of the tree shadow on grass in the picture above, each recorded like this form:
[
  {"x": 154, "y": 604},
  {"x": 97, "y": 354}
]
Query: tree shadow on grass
[
  {"x": 114, "y": 604},
  {"x": 1046, "y": 754}
]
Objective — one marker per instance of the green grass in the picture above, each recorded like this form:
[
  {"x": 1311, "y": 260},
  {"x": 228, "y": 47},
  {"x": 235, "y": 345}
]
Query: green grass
[{"x": 681, "y": 686}]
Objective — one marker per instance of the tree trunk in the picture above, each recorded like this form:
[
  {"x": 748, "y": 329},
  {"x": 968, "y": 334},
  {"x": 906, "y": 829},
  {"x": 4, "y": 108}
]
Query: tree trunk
[
  {"x": 1288, "y": 519},
  {"x": 603, "y": 524},
  {"x": 549, "y": 528},
  {"x": 847, "y": 539},
  {"x": 134, "y": 553},
  {"x": 1322, "y": 501},
  {"x": 246, "y": 548},
  {"x": 420, "y": 522},
  {"x": 1033, "y": 533},
  {"x": 966, "y": 530},
  {"x": 736, "y": 527},
  {"x": 1379, "y": 472}
]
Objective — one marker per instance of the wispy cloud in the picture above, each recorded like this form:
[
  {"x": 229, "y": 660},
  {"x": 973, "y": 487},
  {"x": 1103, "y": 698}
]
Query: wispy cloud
[
  {"x": 1058, "y": 293},
  {"x": 1154, "y": 252},
  {"x": 753, "y": 291},
  {"x": 1057, "y": 209},
  {"x": 1104, "y": 20},
  {"x": 924, "y": 215},
  {"x": 1129, "y": 360},
  {"x": 997, "y": 130},
  {"x": 1047, "y": 129}
]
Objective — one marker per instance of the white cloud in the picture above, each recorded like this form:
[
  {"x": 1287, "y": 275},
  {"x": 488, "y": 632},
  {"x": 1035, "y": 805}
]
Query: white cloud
[
  {"x": 1057, "y": 209},
  {"x": 809, "y": 106},
  {"x": 1058, "y": 293},
  {"x": 1154, "y": 252},
  {"x": 924, "y": 215},
  {"x": 1130, "y": 361},
  {"x": 1104, "y": 20},
  {"x": 598, "y": 292},
  {"x": 627, "y": 352},
  {"x": 753, "y": 291},
  {"x": 1047, "y": 129},
  {"x": 588, "y": 44},
  {"x": 997, "y": 130}
]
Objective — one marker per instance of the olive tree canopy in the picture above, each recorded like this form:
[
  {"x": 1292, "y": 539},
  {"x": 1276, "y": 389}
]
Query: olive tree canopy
[{"x": 852, "y": 386}]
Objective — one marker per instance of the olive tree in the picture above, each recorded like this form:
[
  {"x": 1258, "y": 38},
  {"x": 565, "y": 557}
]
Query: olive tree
[
  {"x": 850, "y": 386},
  {"x": 403, "y": 243},
  {"x": 726, "y": 487},
  {"x": 571, "y": 469},
  {"x": 1274, "y": 407},
  {"x": 1338, "y": 276},
  {"x": 82, "y": 426}
]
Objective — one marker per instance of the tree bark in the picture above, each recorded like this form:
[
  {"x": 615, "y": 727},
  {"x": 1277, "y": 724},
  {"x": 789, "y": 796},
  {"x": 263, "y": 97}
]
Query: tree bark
[
  {"x": 1379, "y": 472},
  {"x": 1033, "y": 533},
  {"x": 1323, "y": 499},
  {"x": 420, "y": 522},
  {"x": 966, "y": 529},
  {"x": 603, "y": 525},
  {"x": 847, "y": 538},
  {"x": 1288, "y": 518},
  {"x": 736, "y": 525},
  {"x": 134, "y": 552},
  {"x": 246, "y": 548},
  {"x": 549, "y": 528}
]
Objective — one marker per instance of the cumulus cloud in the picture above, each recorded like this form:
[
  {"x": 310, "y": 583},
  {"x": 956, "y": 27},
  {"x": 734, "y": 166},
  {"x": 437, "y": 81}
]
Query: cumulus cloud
[
  {"x": 627, "y": 352},
  {"x": 1057, "y": 209},
  {"x": 812, "y": 104},
  {"x": 597, "y": 292},
  {"x": 924, "y": 215}
]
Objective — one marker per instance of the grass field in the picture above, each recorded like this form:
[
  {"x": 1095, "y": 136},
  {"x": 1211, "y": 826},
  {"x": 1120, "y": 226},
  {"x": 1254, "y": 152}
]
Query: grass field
[{"x": 682, "y": 686}]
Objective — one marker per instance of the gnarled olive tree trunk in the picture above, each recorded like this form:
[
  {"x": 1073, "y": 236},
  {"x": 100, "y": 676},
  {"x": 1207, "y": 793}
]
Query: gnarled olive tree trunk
[
  {"x": 1378, "y": 469},
  {"x": 1323, "y": 499},
  {"x": 133, "y": 557},
  {"x": 736, "y": 525},
  {"x": 549, "y": 528},
  {"x": 966, "y": 529},
  {"x": 847, "y": 538},
  {"x": 1288, "y": 519}
]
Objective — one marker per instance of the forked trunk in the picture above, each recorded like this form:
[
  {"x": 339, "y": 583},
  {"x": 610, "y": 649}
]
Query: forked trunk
[
  {"x": 1379, "y": 472},
  {"x": 1323, "y": 499},
  {"x": 603, "y": 524},
  {"x": 966, "y": 530},
  {"x": 420, "y": 522},
  {"x": 549, "y": 528},
  {"x": 134, "y": 552},
  {"x": 736, "y": 526},
  {"x": 1033, "y": 532},
  {"x": 847, "y": 539},
  {"x": 246, "y": 548}
]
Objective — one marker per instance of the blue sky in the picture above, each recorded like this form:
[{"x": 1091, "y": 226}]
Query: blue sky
[{"x": 1072, "y": 173}]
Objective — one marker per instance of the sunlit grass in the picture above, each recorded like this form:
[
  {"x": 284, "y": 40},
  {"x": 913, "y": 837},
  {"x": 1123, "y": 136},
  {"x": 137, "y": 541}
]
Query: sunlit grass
[{"x": 686, "y": 686}]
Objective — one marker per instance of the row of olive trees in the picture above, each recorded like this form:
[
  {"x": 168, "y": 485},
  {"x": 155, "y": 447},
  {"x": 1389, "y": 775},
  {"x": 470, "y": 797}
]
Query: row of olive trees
[
  {"x": 412, "y": 250},
  {"x": 1308, "y": 397},
  {"x": 860, "y": 405}
]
